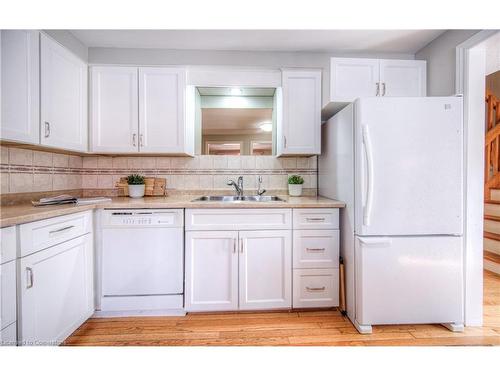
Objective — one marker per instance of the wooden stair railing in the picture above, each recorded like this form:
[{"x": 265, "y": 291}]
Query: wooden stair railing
[{"x": 492, "y": 144}]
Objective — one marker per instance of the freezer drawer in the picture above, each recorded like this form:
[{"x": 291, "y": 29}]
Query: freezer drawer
[{"x": 409, "y": 280}]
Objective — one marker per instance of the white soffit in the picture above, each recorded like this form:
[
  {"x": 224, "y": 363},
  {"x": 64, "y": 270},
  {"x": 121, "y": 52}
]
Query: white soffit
[{"x": 389, "y": 41}]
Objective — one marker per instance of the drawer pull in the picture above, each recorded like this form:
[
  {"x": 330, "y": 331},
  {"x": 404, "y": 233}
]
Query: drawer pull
[
  {"x": 29, "y": 274},
  {"x": 315, "y": 289},
  {"x": 314, "y": 249},
  {"x": 315, "y": 219},
  {"x": 61, "y": 229}
]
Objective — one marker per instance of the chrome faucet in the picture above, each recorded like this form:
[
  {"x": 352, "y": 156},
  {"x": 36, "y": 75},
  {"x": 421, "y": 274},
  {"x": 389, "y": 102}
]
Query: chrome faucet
[
  {"x": 238, "y": 186},
  {"x": 260, "y": 191}
]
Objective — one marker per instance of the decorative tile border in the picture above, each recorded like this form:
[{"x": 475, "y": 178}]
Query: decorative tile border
[{"x": 26, "y": 170}]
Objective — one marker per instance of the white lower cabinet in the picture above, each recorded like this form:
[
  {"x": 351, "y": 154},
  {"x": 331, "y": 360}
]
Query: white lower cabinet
[
  {"x": 315, "y": 287},
  {"x": 56, "y": 291},
  {"x": 8, "y": 306},
  {"x": 230, "y": 270},
  {"x": 238, "y": 269},
  {"x": 211, "y": 271},
  {"x": 56, "y": 288},
  {"x": 316, "y": 257},
  {"x": 265, "y": 269}
]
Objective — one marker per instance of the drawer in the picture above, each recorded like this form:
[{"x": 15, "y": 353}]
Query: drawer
[
  {"x": 8, "y": 243},
  {"x": 316, "y": 218},
  {"x": 238, "y": 219},
  {"x": 42, "y": 234},
  {"x": 8, "y": 293},
  {"x": 316, "y": 288},
  {"x": 316, "y": 248},
  {"x": 8, "y": 336}
]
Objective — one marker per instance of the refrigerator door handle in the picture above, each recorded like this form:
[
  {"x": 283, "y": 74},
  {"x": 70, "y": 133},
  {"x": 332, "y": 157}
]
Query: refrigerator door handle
[
  {"x": 376, "y": 242},
  {"x": 369, "y": 166}
]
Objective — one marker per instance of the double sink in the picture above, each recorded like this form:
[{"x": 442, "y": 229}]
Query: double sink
[{"x": 236, "y": 198}]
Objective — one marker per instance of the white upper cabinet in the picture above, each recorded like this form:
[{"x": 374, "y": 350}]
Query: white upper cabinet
[
  {"x": 352, "y": 78},
  {"x": 63, "y": 110},
  {"x": 139, "y": 110},
  {"x": 20, "y": 82},
  {"x": 114, "y": 109},
  {"x": 161, "y": 110},
  {"x": 403, "y": 78},
  {"x": 355, "y": 78},
  {"x": 299, "y": 129}
]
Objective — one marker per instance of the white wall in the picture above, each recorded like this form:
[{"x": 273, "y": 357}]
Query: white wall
[
  {"x": 70, "y": 42},
  {"x": 135, "y": 56},
  {"x": 441, "y": 55}
]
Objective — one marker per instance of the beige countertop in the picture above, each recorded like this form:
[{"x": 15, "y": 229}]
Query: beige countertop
[{"x": 23, "y": 213}]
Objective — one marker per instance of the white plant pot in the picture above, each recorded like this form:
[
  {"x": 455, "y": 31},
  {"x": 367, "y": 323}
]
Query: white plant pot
[
  {"x": 295, "y": 190},
  {"x": 136, "y": 191}
]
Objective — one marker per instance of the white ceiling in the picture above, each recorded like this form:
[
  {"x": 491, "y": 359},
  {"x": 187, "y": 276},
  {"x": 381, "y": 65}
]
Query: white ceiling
[
  {"x": 235, "y": 120},
  {"x": 395, "y": 41}
]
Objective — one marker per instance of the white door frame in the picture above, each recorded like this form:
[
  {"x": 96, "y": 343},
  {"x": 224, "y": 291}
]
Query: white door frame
[{"x": 470, "y": 83}]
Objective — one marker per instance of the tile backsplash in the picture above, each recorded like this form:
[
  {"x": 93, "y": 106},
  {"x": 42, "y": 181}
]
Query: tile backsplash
[
  {"x": 28, "y": 171},
  {"x": 25, "y": 171}
]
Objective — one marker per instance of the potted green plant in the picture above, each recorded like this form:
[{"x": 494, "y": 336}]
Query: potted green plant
[
  {"x": 295, "y": 183},
  {"x": 135, "y": 186}
]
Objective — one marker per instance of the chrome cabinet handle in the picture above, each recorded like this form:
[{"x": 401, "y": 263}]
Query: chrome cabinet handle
[
  {"x": 315, "y": 249},
  {"x": 47, "y": 129},
  {"x": 234, "y": 245},
  {"x": 383, "y": 88},
  {"x": 29, "y": 274},
  {"x": 315, "y": 219},
  {"x": 61, "y": 229},
  {"x": 315, "y": 289},
  {"x": 134, "y": 138},
  {"x": 284, "y": 141},
  {"x": 141, "y": 140},
  {"x": 241, "y": 246},
  {"x": 378, "y": 89}
]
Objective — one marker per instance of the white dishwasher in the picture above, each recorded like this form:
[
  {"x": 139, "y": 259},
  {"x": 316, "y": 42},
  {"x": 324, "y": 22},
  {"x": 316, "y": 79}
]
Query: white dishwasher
[{"x": 141, "y": 262}]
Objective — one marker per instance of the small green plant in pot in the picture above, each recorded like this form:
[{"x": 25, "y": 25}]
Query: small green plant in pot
[
  {"x": 135, "y": 186},
  {"x": 295, "y": 183}
]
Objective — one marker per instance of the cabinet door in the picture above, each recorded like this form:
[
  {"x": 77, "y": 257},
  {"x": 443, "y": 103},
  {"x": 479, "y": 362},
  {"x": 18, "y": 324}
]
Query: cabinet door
[
  {"x": 63, "y": 97},
  {"x": 211, "y": 271},
  {"x": 56, "y": 290},
  {"x": 161, "y": 110},
  {"x": 114, "y": 109},
  {"x": 265, "y": 269},
  {"x": 7, "y": 294},
  {"x": 353, "y": 78},
  {"x": 403, "y": 77},
  {"x": 20, "y": 86},
  {"x": 299, "y": 133}
]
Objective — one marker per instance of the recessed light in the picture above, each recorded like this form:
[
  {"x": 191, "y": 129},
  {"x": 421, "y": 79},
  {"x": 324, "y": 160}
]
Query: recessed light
[
  {"x": 236, "y": 91},
  {"x": 266, "y": 126}
]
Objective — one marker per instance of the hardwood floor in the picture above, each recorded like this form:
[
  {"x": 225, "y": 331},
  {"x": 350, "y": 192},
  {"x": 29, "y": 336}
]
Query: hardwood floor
[{"x": 284, "y": 328}]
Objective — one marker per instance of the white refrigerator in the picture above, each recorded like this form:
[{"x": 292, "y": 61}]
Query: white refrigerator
[{"x": 397, "y": 163}]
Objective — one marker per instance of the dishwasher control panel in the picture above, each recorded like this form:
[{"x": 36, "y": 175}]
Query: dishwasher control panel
[{"x": 143, "y": 217}]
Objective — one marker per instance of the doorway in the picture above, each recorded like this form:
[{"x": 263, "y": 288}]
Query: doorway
[{"x": 473, "y": 59}]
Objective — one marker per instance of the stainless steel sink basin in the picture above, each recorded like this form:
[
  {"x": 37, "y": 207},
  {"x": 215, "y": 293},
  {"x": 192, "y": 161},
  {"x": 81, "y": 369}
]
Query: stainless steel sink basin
[{"x": 234, "y": 198}]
